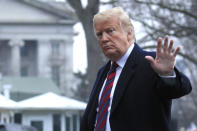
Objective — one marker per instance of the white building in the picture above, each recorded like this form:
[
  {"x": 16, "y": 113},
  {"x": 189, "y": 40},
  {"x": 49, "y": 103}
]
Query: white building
[
  {"x": 6, "y": 110},
  {"x": 36, "y": 44},
  {"x": 45, "y": 112},
  {"x": 51, "y": 112},
  {"x": 36, "y": 40}
]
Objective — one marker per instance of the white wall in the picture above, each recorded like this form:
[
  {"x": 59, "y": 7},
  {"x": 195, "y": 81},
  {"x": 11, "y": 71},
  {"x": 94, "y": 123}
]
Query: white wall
[
  {"x": 6, "y": 116},
  {"x": 46, "y": 117}
]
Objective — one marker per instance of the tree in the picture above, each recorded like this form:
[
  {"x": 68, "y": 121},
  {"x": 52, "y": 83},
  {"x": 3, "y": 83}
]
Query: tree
[
  {"x": 81, "y": 91},
  {"x": 95, "y": 57},
  {"x": 161, "y": 17}
]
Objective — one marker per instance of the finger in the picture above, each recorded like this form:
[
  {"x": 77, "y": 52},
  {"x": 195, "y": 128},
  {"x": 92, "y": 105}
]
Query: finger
[
  {"x": 176, "y": 51},
  {"x": 170, "y": 46},
  {"x": 165, "y": 43},
  {"x": 159, "y": 40},
  {"x": 150, "y": 59}
]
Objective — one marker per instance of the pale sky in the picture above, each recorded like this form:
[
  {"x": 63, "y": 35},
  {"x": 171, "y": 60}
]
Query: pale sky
[
  {"x": 79, "y": 46},
  {"x": 79, "y": 50}
]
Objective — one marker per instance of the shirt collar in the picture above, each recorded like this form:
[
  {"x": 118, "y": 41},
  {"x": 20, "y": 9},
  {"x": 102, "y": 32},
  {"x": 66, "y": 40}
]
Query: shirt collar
[{"x": 121, "y": 62}]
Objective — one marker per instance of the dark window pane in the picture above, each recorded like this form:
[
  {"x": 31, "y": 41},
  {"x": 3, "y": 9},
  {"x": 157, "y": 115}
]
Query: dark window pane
[
  {"x": 18, "y": 118},
  {"x": 38, "y": 125},
  {"x": 67, "y": 123},
  {"x": 27, "y": 49},
  {"x": 5, "y": 59},
  {"x": 56, "y": 74},
  {"x": 29, "y": 58},
  {"x": 55, "y": 48},
  {"x": 74, "y": 122},
  {"x": 56, "y": 122}
]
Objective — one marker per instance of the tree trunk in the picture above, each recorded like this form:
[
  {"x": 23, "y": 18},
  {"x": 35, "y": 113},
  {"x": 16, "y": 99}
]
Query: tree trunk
[{"x": 95, "y": 56}]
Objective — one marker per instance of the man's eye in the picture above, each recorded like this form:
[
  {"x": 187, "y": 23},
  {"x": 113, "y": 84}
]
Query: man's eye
[
  {"x": 99, "y": 35},
  {"x": 110, "y": 31}
]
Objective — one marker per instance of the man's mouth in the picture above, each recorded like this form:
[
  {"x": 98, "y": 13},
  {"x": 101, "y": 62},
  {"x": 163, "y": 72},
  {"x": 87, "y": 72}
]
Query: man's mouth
[{"x": 107, "y": 47}]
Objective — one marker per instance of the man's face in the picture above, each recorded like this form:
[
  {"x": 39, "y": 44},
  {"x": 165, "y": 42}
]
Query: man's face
[{"x": 113, "y": 41}]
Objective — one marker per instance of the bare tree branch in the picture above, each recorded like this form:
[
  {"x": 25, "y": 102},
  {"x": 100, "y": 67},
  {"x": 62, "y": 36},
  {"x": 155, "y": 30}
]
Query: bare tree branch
[{"x": 168, "y": 7}]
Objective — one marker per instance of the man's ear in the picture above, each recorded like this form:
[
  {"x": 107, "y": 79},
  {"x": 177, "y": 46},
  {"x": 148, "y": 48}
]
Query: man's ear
[{"x": 129, "y": 35}]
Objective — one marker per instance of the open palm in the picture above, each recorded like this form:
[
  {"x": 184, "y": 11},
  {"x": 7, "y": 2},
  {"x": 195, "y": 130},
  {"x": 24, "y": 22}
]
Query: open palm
[{"x": 163, "y": 64}]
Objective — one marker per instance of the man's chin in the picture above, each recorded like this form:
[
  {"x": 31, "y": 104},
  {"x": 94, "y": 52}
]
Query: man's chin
[
  {"x": 110, "y": 53},
  {"x": 112, "y": 56}
]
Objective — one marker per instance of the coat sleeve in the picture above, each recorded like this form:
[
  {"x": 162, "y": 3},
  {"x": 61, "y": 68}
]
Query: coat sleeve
[{"x": 171, "y": 88}]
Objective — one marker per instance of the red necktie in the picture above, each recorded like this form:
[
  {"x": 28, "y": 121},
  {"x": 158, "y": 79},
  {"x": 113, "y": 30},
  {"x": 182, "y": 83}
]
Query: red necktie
[{"x": 104, "y": 102}]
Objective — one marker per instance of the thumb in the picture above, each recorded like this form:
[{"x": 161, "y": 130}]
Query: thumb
[{"x": 150, "y": 59}]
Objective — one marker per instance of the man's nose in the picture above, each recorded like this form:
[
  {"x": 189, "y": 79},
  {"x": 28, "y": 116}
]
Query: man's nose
[{"x": 104, "y": 37}]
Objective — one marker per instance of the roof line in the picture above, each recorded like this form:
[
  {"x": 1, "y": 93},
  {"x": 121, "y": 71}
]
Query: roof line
[{"x": 50, "y": 9}]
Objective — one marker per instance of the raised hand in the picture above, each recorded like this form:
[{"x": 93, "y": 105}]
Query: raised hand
[{"x": 164, "y": 62}]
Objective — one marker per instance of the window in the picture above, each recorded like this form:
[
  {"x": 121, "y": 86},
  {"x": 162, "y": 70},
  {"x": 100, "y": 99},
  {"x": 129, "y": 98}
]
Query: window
[
  {"x": 29, "y": 58},
  {"x": 56, "y": 122},
  {"x": 27, "y": 49},
  {"x": 55, "y": 48},
  {"x": 74, "y": 122},
  {"x": 5, "y": 59},
  {"x": 10, "y": 119},
  {"x": 56, "y": 74},
  {"x": 24, "y": 51},
  {"x": 38, "y": 125},
  {"x": 5, "y": 120},
  {"x": 18, "y": 118},
  {"x": 68, "y": 123}
]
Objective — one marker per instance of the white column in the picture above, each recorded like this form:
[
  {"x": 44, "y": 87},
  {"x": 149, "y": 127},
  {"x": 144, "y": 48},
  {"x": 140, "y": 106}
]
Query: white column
[
  {"x": 15, "y": 56},
  {"x": 44, "y": 69},
  {"x": 68, "y": 66},
  {"x": 78, "y": 121},
  {"x": 63, "y": 128}
]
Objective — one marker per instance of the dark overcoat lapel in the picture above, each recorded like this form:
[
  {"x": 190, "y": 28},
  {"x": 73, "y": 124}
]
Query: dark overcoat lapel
[
  {"x": 126, "y": 76},
  {"x": 95, "y": 94}
]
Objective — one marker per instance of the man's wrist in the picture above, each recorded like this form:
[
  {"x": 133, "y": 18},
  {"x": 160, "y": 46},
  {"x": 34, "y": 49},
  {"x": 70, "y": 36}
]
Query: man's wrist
[{"x": 169, "y": 75}]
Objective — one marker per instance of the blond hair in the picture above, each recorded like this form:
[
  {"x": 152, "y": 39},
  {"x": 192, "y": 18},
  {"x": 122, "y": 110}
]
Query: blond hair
[{"x": 116, "y": 12}]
